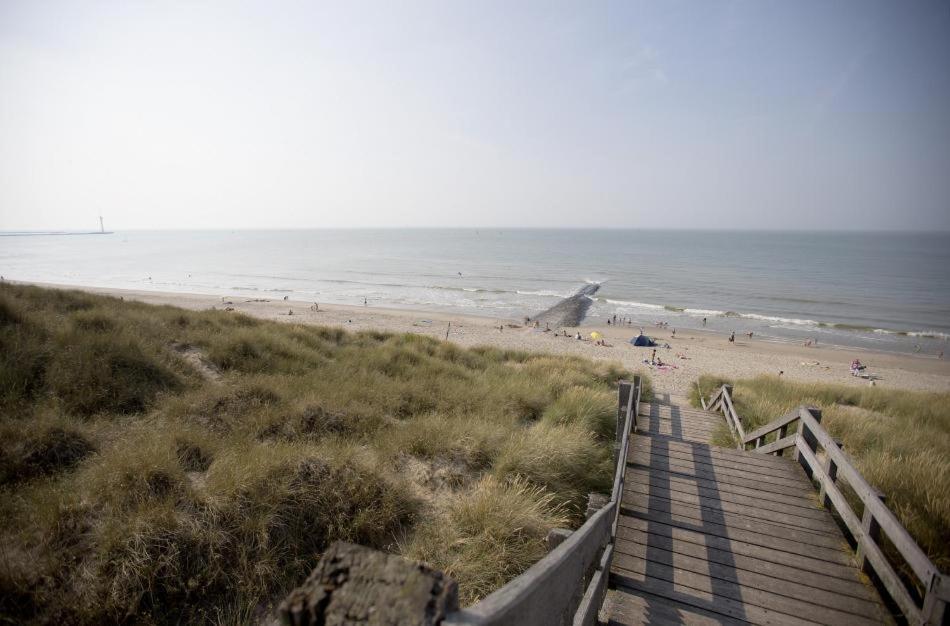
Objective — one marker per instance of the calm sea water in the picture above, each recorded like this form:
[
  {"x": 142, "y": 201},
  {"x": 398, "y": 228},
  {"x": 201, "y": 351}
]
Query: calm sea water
[{"x": 884, "y": 291}]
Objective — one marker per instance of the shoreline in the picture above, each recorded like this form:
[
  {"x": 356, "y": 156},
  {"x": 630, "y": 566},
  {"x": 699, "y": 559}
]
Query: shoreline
[{"x": 691, "y": 352}]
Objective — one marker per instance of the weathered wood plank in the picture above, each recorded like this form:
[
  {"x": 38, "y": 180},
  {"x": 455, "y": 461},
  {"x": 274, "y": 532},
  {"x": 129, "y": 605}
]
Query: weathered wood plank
[
  {"x": 646, "y": 474},
  {"x": 665, "y": 455},
  {"x": 715, "y": 452},
  {"x": 680, "y": 417},
  {"x": 839, "y": 566},
  {"x": 791, "y": 482},
  {"x": 628, "y": 607},
  {"x": 772, "y": 426},
  {"x": 589, "y": 607},
  {"x": 649, "y": 427},
  {"x": 807, "y": 572},
  {"x": 823, "y": 525},
  {"x": 733, "y": 609},
  {"x": 706, "y": 515},
  {"x": 680, "y": 421},
  {"x": 654, "y": 560},
  {"x": 780, "y": 444},
  {"x": 764, "y": 540},
  {"x": 628, "y": 570}
]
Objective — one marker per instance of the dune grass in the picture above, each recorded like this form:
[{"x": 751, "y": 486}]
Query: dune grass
[
  {"x": 899, "y": 440},
  {"x": 136, "y": 486}
]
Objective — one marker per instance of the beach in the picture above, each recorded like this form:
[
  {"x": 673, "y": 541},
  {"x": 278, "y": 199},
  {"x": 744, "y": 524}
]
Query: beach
[{"x": 691, "y": 352}]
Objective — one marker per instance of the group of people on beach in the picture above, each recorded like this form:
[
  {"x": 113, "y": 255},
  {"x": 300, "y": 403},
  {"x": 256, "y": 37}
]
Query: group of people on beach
[{"x": 623, "y": 320}]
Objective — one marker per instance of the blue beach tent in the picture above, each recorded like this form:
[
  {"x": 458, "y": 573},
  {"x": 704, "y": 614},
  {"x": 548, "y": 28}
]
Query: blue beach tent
[{"x": 642, "y": 340}]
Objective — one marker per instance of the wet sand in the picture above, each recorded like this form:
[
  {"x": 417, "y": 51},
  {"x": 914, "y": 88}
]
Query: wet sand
[{"x": 691, "y": 352}]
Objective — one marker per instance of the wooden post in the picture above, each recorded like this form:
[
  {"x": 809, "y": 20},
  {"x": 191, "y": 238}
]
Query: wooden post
[
  {"x": 782, "y": 433},
  {"x": 447, "y": 331},
  {"x": 832, "y": 469},
  {"x": 556, "y": 537},
  {"x": 625, "y": 392},
  {"x": 873, "y": 530},
  {"x": 935, "y": 600},
  {"x": 595, "y": 502},
  {"x": 356, "y": 585},
  {"x": 809, "y": 438}
]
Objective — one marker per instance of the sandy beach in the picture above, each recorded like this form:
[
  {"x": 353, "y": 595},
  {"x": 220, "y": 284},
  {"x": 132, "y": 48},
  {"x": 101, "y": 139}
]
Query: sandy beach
[{"x": 691, "y": 353}]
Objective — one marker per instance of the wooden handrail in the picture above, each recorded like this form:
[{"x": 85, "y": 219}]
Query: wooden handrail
[
  {"x": 722, "y": 401},
  {"x": 554, "y": 587},
  {"x": 876, "y": 519}
]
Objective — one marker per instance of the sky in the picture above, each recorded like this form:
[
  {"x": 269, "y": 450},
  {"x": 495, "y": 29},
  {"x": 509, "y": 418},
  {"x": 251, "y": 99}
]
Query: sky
[{"x": 703, "y": 114}]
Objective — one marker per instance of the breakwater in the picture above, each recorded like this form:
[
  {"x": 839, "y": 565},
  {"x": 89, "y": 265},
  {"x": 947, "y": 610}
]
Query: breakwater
[{"x": 571, "y": 310}]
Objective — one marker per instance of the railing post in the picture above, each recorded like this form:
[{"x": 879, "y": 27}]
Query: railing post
[
  {"x": 871, "y": 529},
  {"x": 935, "y": 600},
  {"x": 782, "y": 434},
  {"x": 809, "y": 437},
  {"x": 727, "y": 389},
  {"x": 625, "y": 391},
  {"x": 831, "y": 468}
]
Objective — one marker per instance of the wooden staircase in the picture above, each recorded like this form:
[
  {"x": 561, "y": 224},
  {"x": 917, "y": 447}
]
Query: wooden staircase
[{"x": 710, "y": 535}]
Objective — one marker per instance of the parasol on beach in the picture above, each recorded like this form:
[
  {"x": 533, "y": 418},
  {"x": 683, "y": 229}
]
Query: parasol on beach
[{"x": 595, "y": 335}]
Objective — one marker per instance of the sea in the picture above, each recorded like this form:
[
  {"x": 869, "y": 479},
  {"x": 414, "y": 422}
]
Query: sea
[{"x": 882, "y": 291}]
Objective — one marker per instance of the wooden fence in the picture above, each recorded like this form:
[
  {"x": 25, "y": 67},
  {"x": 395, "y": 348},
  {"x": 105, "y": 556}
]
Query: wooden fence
[
  {"x": 567, "y": 586},
  {"x": 800, "y": 432}
]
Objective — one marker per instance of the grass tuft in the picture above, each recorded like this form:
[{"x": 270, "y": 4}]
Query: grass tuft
[{"x": 496, "y": 531}]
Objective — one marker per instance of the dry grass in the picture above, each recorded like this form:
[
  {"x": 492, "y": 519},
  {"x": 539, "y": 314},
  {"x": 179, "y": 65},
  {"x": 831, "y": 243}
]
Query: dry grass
[
  {"x": 899, "y": 440},
  {"x": 134, "y": 487}
]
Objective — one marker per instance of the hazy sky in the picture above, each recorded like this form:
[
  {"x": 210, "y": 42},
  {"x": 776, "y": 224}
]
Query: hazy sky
[{"x": 758, "y": 114}]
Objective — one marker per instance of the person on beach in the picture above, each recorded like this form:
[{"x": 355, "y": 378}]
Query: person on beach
[
  {"x": 732, "y": 337},
  {"x": 750, "y": 334},
  {"x": 578, "y": 336},
  {"x": 365, "y": 302},
  {"x": 674, "y": 333},
  {"x": 704, "y": 321},
  {"x": 653, "y": 358}
]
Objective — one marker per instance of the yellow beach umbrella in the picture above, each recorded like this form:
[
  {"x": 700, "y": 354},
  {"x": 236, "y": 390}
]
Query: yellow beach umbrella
[{"x": 595, "y": 335}]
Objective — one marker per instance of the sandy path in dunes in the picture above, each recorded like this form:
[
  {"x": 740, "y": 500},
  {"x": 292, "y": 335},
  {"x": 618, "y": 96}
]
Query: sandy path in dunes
[{"x": 691, "y": 352}]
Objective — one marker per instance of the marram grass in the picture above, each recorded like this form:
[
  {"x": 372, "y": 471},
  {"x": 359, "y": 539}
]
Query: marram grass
[{"x": 136, "y": 487}]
